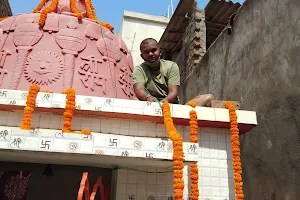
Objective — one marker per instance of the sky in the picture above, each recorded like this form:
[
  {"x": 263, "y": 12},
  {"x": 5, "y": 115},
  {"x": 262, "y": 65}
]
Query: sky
[{"x": 111, "y": 11}]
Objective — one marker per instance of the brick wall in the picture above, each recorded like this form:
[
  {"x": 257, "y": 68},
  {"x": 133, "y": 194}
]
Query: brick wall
[{"x": 194, "y": 44}]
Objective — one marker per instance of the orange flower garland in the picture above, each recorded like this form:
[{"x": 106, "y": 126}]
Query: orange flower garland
[
  {"x": 177, "y": 152},
  {"x": 46, "y": 91},
  {"x": 73, "y": 5},
  {"x": 40, "y": 6},
  {"x": 86, "y": 132},
  {"x": 90, "y": 10},
  {"x": 3, "y": 18},
  {"x": 29, "y": 108},
  {"x": 47, "y": 10},
  {"x": 236, "y": 153},
  {"x": 194, "y": 138},
  {"x": 91, "y": 14},
  {"x": 69, "y": 110}
]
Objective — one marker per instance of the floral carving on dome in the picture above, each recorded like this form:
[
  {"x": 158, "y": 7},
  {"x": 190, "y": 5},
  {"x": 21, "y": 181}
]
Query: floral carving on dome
[{"x": 41, "y": 67}]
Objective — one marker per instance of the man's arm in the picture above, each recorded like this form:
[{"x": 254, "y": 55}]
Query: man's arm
[
  {"x": 173, "y": 91},
  {"x": 173, "y": 84},
  {"x": 141, "y": 94},
  {"x": 139, "y": 80}
]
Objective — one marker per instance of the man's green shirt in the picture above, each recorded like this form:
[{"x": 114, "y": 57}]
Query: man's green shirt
[{"x": 157, "y": 85}]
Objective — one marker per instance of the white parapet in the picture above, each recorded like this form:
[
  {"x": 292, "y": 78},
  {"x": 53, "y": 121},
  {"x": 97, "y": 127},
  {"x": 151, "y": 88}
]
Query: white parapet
[{"x": 125, "y": 134}]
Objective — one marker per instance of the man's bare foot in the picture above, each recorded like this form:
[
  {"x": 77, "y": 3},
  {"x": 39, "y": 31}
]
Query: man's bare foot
[{"x": 203, "y": 100}]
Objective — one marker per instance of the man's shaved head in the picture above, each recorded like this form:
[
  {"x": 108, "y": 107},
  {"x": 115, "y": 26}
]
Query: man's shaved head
[{"x": 147, "y": 41}]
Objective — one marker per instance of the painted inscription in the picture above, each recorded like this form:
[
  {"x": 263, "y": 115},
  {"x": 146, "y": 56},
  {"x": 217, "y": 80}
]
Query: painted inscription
[
  {"x": 45, "y": 144},
  {"x": 192, "y": 149},
  {"x": 125, "y": 80},
  {"x": 161, "y": 146},
  {"x": 90, "y": 76},
  {"x": 125, "y": 153},
  {"x": 113, "y": 142},
  {"x": 4, "y": 134},
  {"x": 16, "y": 143}
]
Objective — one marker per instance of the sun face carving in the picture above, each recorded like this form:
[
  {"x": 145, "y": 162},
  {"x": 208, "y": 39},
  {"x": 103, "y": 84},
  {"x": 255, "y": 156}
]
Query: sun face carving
[{"x": 43, "y": 67}]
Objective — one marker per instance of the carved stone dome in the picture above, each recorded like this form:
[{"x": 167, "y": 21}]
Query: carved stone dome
[{"x": 64, "y": 51}]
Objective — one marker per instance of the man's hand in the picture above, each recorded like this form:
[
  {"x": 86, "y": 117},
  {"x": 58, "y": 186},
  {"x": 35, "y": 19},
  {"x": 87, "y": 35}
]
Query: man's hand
[
  {"x": 164, "y": 101},
  {"x": 150, "y": 99}
]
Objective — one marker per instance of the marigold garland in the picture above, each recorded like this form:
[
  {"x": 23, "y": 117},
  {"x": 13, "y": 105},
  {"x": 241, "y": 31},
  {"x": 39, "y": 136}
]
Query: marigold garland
[
  {"x": 29, "y": 108},
  {"x": 73, "y": 5},
  {"x": 177, "y": 152},
  {"x": 46, "y": 91},
  {"x": 236, "y": 153},
  {"x": 194, "y": 138},
  {"x": 47, "y": 10},
  {"x": 3, "y": 18},
  {"x": 40, "y": 6},
  {"x": 90, "y": 10},
  {"x": 91, "y": 14},
  {"x": 69, "y": 110},
  {"x": 86, "y": 132}
]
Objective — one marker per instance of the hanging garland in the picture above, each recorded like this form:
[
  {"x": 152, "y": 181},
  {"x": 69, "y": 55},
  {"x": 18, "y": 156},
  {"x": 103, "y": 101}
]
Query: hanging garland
[
  {"x": 90, "y": 10},
  {"x": 40, "y": 6},
  {"x": 236, "y": 152},
  {"x": 3, "y": 18},
  {"x": 69, "y": 110},
  {"x": 29, "y": 108},
  {"x": 68, "y": 114},
  {"x": 47, "y": 10},
  {"x": 177, "y": 152},
  {"x": 46, "y": 91},
  {"x": 194, "y": 139},
  {"x": 91, "y": 14},
  {"x": 74, "y": 9}
]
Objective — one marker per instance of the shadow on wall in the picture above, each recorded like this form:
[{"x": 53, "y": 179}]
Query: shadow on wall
[
  {"x": 258, "y": 65},
  {"x": 64, "y": 183}
]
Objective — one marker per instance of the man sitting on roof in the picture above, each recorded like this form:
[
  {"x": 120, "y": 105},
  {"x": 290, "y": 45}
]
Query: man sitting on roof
[{"x": 157, "y": 79}]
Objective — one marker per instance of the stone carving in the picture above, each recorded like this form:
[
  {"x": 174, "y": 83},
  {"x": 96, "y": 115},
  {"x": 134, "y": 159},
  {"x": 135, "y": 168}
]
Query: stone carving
[
  {"x": 8, "y": 24},
  {"x": 125, "y": 81},
  {"x": 39, "y": 68},
  {"x": 72, "y": 42},
  {"x": 3, "y": 72},
  {"x": 93, "y": 31},
  {"x": 25, "y": 37},
  {"x": 96, "y": 62},
  {"x": 52, "y": 24},
  {"x": 111, "y": 54},
  {"x": 90, "y": 76}
]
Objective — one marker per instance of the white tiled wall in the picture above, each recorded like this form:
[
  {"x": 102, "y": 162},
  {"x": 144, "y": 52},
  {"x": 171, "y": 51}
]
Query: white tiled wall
[
  {"x": 215, "y": 173},
  {"x": 104, "y": 125},
  {"x": 214, "y": 155},
  {"x": 132, "y": 108},
  {"x": 96, "y": 143}
]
